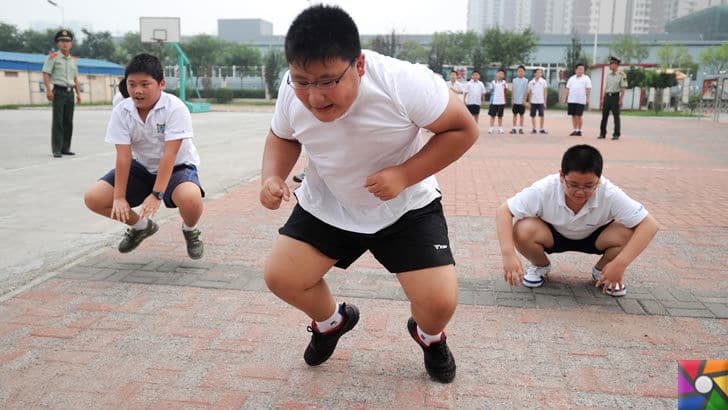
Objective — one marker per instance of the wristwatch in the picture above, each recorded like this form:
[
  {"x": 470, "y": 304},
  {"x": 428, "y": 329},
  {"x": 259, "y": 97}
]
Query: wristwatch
[{"x": 158, "y": 194}]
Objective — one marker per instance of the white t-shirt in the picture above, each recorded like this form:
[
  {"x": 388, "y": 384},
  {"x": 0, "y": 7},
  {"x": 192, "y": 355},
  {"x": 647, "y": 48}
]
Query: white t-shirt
[
  {"x": 117, "y": 99},
  {"x": 474, "y": 92},
  {"x": 536, "y": 88},
  {"x": 169, "y": 120},
  {"x": 457, "y": 86},
  {"x": 546, "y": 199},
  {"x": 577, "y": 88},
  {"x": 381, "y": 129},
  {"x": 498, "y": 92}
]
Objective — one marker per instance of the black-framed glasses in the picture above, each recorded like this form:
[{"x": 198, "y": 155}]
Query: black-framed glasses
[
  {"x": 584, "y": 189},
  {"x": 320, "y": 84}
]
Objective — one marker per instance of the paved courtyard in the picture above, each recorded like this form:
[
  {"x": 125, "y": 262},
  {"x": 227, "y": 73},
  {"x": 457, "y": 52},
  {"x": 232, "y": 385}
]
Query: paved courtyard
[{"x": 154, "y": 329}]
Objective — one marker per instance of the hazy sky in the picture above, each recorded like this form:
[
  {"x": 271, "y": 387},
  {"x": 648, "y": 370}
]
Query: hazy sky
[{"x": 200, "y": 16}]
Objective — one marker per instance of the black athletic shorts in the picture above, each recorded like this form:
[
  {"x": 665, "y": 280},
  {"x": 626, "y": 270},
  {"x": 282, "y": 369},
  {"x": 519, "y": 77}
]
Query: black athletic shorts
[
  {"x": 518, "y": 109},
  {"x": 496, "y": 110},
  {"x": 474, "y": 108},
  {"x": 586, "y": 245},
  {"x": 575, "y": 109},
  {"x": 417, "y": 240}
]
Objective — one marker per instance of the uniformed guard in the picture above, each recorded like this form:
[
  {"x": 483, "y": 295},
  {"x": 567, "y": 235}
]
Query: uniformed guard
[
  {"x": 614, "y": 85},
  {"x": 60, "y": 75}
]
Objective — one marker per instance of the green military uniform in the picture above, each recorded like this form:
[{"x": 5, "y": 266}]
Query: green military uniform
[
  {"x": 613, "y": 84},
  {"x": 63, "y": 70}
]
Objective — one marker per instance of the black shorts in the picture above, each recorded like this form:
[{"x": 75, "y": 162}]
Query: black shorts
[
  {"x": 518, "y": 109},
  {"x": 586, "y": 245},
  {"x": 575, "y": 109},
  {"x": 141, "y": 182},
  {"x": 417, "y": 240},
  {"x": 496, "y": 110},
  {"x": 474, "y": 108},
  {"x": 537, "y": 108}
]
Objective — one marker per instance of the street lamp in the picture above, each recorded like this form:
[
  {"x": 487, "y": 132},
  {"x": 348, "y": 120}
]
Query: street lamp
[{"x": 56, "y": 4}]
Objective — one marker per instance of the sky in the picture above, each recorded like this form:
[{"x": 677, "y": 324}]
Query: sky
[{"x": 200, "y": 16}]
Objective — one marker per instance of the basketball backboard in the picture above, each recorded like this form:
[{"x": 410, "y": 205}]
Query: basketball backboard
[{"x": 159, "y": 29}]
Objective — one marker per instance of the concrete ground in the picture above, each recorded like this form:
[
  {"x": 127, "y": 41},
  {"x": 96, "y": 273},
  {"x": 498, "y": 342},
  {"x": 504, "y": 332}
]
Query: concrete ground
[{"x": 154, "y": 329}]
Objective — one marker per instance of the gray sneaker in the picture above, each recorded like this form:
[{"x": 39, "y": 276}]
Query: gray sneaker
[
  {"x": 194, "y": 243},
  {"x": 133, "y": 237}
]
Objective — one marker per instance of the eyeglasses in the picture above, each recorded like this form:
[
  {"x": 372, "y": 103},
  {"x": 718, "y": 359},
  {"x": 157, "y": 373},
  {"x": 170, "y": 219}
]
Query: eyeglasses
[
  {"x": 584, "y": 189},
  {"x": 320, "y": 84}
]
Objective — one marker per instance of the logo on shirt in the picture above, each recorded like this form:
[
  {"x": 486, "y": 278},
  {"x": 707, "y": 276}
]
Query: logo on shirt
[
  {"x": 161, "y": 128},
  {"x": 439, "y": 247}
]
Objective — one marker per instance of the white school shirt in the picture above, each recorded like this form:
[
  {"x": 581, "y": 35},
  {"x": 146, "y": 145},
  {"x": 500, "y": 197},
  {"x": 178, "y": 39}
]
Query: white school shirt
[
  {"x": 381, "y": 129},
  {"x": 475, "y": 91},
  {"x": 536, "y": 88},
  {"x": 498, "y": 92},
  {"x": 577, "y": 88},
  {"x": 457, "y": 86},
  {"x": 546, "y": 199},
  {"x": 168, "y": 120}
]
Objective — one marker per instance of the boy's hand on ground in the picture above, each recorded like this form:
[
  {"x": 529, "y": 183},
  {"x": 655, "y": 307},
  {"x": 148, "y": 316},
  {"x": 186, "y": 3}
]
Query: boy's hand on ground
[
  {"x": 512, "y": 270},
  {"x": 150, "y": 206},
  {"x": 120, "y": 210},
  {"x": 612, "y": 274},
  {"x": 387, "y": 183},
  {"x": 273, "y": 191}
]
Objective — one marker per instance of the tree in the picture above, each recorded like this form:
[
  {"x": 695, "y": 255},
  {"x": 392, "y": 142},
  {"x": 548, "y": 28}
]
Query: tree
[
  {"x": 388, "y": 45},
  {"x": 10, "y": 39},
  {"x": 131, "y": 45},
  {"x": 39, "y": 42},
  {"x": 413, "y": 52},
  {"x": 275, "y": 62},
  {"x": 574, "y": 55},
  {"x": 96, "y": 45},
  {"x": 508, "y": 47},
  {"x": 635, "y": 78},
  {"x": 715, "y": 59},
  {"x": 240, "y": 55},
  {"x": 204, "y": 51},
  {"x": 659, "y": 80},
  {"x": 441, "y": 42},
  {"x": 670, "y": 56},
  {"x": 628, "y": 49}
]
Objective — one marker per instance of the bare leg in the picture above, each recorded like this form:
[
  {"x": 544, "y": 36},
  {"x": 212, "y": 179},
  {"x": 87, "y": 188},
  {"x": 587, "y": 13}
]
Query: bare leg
[
  {"x": 532, "y": 236},
  {"x": 188, "y": 198},
  {"x": 433, "y": 295},
  {"x": 99, "y": 198}
]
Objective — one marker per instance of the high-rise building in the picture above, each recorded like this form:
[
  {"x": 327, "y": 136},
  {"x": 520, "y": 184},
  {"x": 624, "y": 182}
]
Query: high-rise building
[{"x": 506, "y": 14}]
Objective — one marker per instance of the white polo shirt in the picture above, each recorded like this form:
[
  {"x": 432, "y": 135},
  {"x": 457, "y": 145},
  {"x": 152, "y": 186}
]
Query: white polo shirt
[
  {"x": 457, "y": 86},
  {"x": 169, "y": 120},
  {"x": 474, "y": 92},
  {"x": 577, "y": 86},
  {"x": 546, "y": 199},
  {"x": 381, "y": 129},
  {"x": 536, "y": 88},
  {"x": 498, "y": 92}
]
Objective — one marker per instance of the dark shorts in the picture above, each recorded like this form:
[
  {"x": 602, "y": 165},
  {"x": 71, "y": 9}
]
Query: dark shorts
[
  {"x": 417, "y": 240},
  {"x": 474, "y": 108},
  {"x": 537, "y": 108},
  {"x": 141, "y": 182},
  {"x": 496, "y": 110},
  {"x": 575, "y": 109},
  {"x": 518, "y": 109},
  {"x": 586, "y": 245}
]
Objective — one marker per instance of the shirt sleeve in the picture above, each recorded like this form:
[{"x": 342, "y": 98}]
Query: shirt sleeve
[
  {"x": 48, "y": 65},
  {"x": 588, "y": 82},
  {"x": 626, "y": 210},
  {"x": 117, "y": 132},
  {"x": 423, "y": 95},
  {"x": 179, "y": 125},
  {"x": 527, "y": 203},
  {"x": 280, "y": 124}
]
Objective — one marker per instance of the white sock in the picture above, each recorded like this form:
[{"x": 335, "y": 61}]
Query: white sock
[
  {"x": 187, "y": 228},
  {"x": 141, "y": 224},
  {"x": 428, "y": 339},
  {"x": 330, "y": 323}
]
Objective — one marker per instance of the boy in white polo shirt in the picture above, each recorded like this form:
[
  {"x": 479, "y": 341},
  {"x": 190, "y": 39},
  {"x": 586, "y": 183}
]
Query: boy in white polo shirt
[
  {"x": 537, "y": 96},
  {"x": 578, "y": 90},
  {"x": 575, "y": 210},
  {"x": 155, "y": 160},
  {"x": 369, "y": 182},
  {"x": 498, "y": 89}
]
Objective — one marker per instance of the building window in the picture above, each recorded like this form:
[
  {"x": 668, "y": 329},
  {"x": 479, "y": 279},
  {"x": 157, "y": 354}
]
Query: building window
[
  {"x": 91, "y": 77},
  {"x": 11, "y": 74}
]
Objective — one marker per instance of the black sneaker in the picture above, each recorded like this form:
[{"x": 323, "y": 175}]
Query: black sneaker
[
  {"x": 322, "y": 345},
  {"x": 513, "y": 131},
  {"x": 615, "y": 137},
  {"x": 578, "y": 134},
  {"x": 439, "y": 362},
  {"x": 573, "y": 133},
  {"x": 520, "y": 130},
  {"x": 602, "y": 136},
  {"x": 133, "y": 237},
  {"x": 543, "y": 131},
  {"x": 194, "y": 243},
  {"x": 533, "y": 131},
  {"x": 299, "y": 177}
]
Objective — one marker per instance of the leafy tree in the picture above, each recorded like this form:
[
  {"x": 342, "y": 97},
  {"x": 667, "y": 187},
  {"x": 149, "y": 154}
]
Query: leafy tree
[
  {"x": 275, "y": 62},
  {"x": 441, "y": 43},
  {"x": 39, "y": 42},
  {"x": 508, "y": 47},
  {"x": 131, "y": 45},
  {"x": 635, "y": 78},
  {"x": 628, "y": 49},
  {"x": 670, "y": 56},
  {"x": 241, "y": 55},
  {"x": 574, "y": 55},
  {"x": 659, "y": 80},
  {"x": 204, "y": 51},
  {"x": 96, "y": 45},
  {"x": 715, "y": 59},
  {"x": 413, "y": 52},
  {"x": 388, "y": 45},
  {"x": 10, "y": 39}
]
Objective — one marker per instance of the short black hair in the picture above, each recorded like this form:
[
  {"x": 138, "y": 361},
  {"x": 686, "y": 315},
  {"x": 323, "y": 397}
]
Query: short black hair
[
  {"x": 536, "y": 70},
  {"x": 322, "y": 33},
  {"x": 501, "y": 70},
  {"x": 122, "y": 88},
  {"x": 582, "y": 158},
  {"x": 147, "y": 64},
  {"x": 475, "y": 72},
  {"x": 579, "y": 64},
  {"x": 521, "y": 66}
]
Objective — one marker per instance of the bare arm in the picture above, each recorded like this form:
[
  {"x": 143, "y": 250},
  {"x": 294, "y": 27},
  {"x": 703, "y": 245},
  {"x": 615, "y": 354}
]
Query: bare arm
[
  {"x": 48, "y": 87},
  {"x": 279, "y": 157},
  {"x": 123, "y": 165},
  {"x": 643, "y": 234},
  {"x": 512, "y": 268},
  {"x": 78, "y": 89},
  {"x": 166, "y": 165}
]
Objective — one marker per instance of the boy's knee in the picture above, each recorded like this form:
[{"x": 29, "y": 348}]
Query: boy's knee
[{"x": 93, "y": 199}]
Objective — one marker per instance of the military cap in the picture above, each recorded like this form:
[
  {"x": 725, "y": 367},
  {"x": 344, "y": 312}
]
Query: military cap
[
  {"x": 614, "y": 60},
  {"x": 64, "y": 35}
]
